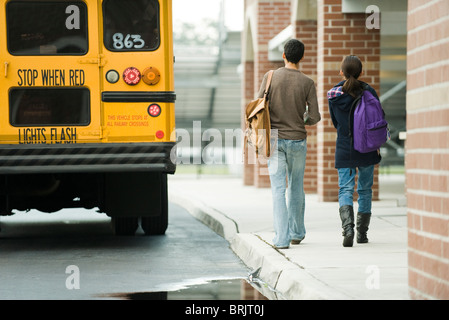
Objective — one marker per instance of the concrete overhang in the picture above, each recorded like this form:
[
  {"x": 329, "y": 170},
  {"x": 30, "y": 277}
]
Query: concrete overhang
[
  {"x": 276, "y": 45},
  {"x": 359, "y": 6},
  {"x": 301, "y": 10},
  {"x": 393, "y": 19},
  {"x": 393, "y": 13}
]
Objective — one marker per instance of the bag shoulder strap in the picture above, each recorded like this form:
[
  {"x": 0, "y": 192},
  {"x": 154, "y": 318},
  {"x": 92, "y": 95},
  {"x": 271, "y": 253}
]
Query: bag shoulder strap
[{"x": 267, "y": 87}]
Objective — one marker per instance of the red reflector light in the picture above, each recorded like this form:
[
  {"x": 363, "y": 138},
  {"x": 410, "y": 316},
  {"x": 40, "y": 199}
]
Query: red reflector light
[
  {"x": 131, "y": 76},
  {"x": 154, "y": 110},
  {"x": 160, "y": 134}
]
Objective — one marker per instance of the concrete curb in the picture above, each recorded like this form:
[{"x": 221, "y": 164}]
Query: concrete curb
[
  {"x": 287, "y": 279},
  {"x": 214, "y": 219},
  {"x": 291, "y": 280}
]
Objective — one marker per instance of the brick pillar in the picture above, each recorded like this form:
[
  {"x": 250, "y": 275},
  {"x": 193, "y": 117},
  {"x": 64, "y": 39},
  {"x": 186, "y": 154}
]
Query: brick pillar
[
  {"x": 272, "y": 17},
  {"x": 248, "y": 95},
  {"x": 306, "y": 31},
  {"x": 427, "y": 149},
  {"x": 339, "y": 35}
]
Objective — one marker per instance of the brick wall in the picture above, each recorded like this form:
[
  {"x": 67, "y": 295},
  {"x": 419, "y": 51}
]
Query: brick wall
[
  {"x": 306, "y": 31},
  {"x": 248, "y": 95},
  {"x": 427, "y": 149},
  {"x": 339, "y": 35}
]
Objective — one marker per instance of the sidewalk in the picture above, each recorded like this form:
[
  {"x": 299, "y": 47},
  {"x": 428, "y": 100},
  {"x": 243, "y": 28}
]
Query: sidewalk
[{"x": 320, "y": 267}]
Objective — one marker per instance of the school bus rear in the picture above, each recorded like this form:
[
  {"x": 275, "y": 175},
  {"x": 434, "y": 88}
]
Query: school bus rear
[{"x": 87, "y": 98}]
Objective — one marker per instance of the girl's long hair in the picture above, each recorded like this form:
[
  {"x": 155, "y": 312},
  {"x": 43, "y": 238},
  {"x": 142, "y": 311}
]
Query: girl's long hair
[{"x": 352, "y": 68}]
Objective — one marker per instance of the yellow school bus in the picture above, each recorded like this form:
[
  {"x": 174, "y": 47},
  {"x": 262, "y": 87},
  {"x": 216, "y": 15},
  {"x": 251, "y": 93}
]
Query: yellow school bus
[{"x": 87, "y": 108}]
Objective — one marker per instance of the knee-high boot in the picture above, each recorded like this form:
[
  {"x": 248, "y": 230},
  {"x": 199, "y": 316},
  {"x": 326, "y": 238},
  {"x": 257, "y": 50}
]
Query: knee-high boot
[
  {"x": 363, "y": 220},
  {"x": 347, "y": 223}
]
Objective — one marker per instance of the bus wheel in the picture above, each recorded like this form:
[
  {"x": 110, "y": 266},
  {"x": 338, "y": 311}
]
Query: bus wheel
[
  {"x": 153, "y": 226},
  {"x": 125, "y": 226}
]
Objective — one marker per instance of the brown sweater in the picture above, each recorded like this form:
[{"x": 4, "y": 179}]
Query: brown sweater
[{"x": 289, "y": 94}]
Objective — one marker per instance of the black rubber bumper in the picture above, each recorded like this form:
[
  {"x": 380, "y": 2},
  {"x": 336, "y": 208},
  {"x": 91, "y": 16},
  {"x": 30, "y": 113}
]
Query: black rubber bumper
[{"x": 69, "y": 158}]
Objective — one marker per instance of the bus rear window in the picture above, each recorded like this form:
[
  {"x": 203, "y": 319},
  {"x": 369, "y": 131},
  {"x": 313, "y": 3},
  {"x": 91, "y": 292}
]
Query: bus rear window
[
  {"x": 47, "y": 27},
  {"x": 49, "y": 106},
  {"x": 131, "y": 25}
]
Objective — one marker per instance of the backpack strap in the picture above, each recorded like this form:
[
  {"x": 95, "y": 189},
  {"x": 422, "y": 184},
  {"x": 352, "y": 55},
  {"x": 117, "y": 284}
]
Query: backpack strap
[{"x": 354, "y": 105}]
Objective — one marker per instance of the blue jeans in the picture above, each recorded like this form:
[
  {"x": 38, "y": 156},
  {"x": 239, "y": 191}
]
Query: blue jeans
[
  {"x": 346, "y": 182},
  {"x": 288, "y": 162}
]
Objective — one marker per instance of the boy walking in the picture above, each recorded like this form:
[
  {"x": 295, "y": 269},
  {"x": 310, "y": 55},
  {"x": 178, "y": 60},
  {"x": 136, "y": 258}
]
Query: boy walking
[{"x": 290, "y": 95}]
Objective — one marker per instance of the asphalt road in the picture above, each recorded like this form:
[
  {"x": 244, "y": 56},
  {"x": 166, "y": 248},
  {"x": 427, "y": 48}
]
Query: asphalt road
[{"x": 73, "y": 254}]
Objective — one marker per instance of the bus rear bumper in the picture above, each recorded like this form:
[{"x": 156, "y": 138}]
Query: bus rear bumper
[{"x": 91, "y": 158}]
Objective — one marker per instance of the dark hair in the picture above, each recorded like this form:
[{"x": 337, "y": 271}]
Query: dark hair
[
  {"x": 294, "y": 51},
  {"x": 352, "y": 68}
]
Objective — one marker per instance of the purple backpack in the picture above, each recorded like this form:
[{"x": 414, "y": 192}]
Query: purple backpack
[{"x": 368, "y": 126}]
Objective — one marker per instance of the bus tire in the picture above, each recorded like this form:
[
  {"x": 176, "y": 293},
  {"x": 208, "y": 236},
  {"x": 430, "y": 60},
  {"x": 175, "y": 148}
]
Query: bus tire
[
  {"x": 157, "y": 224},
  {"x": 154, "y": 226},
  {"x": 125, "y": 226}
]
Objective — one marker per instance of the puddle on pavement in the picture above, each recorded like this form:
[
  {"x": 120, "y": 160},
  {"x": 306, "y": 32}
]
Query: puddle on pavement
[{"x": 222, "y": 289}]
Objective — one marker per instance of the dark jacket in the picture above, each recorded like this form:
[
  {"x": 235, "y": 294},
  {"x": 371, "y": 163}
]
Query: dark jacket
[{"x": 345, "y": 155}]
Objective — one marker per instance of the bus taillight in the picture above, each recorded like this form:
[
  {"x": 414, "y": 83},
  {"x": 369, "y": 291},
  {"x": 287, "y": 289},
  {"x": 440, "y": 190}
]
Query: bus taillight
[{"x": 131, "y": 76}]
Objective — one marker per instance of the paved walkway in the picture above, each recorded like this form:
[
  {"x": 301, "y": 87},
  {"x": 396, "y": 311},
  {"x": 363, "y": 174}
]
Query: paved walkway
[{"x": 320, "y": 267}]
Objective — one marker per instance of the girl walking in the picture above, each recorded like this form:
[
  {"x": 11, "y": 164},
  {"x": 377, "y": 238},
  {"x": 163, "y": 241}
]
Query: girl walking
[{"x": 348, "y": 161}]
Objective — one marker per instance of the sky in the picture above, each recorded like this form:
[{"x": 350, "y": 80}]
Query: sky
[{"x": 194, "y": 10}]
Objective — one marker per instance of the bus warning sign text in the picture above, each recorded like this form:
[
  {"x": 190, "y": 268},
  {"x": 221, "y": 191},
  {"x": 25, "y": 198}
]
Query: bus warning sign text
[
  {"x": 51, "y": 77},
  {"x": 47, "y": 135}
]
